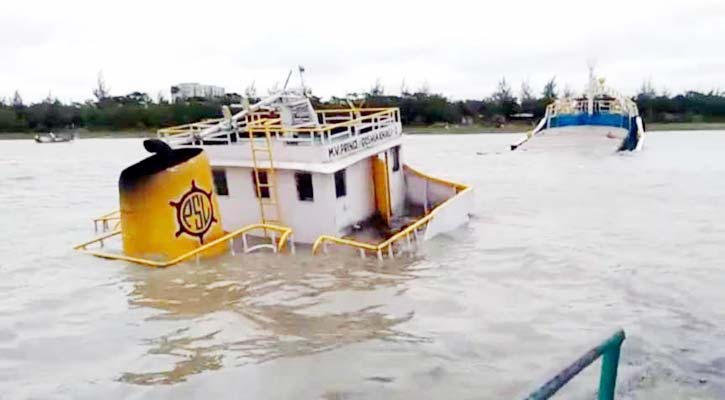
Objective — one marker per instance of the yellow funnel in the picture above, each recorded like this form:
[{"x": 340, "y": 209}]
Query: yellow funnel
[{"x": 168, "y": 204}]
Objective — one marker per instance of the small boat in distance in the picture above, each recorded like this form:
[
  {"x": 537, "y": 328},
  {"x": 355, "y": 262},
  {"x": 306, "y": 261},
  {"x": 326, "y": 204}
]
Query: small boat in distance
[
  {"x": 51, "y": 137},
  {"x": 600, "y": 114}
]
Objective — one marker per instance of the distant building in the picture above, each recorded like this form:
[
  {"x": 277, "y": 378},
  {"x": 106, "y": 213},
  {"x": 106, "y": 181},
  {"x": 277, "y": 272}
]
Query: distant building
[{"x": 184, "y": 91}]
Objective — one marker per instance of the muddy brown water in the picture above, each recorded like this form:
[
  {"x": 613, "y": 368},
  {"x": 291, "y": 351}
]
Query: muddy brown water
[{"x": 565, "y": 247}]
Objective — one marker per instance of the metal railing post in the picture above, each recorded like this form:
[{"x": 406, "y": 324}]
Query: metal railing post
[
  {"x": 610, "y": 362},
  {"x": 609, "y": 351}
]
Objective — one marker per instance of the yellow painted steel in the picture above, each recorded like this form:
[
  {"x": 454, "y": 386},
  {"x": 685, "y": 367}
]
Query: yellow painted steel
[
  {"x": 220, "y": 242},
  {"x": 113, "y": 216},
  {"x": 407, "y": 231},
  {"x": 269, "y": 209},
  {"x": 170, "y": 212},
  {"x": 381, "y": 183}
]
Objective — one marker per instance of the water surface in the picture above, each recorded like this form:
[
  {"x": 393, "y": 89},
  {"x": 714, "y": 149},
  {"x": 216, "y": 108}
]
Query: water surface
[{"x": 565, "y": 247}]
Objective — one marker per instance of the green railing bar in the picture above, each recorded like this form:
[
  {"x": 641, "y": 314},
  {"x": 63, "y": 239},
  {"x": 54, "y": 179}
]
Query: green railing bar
[
  {"x": 610, "y": 363},
  {"x": 609, "y": 351}
]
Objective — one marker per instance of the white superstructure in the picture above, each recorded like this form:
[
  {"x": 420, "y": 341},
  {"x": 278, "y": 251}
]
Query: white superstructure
[{"x": 332, "y": 176}]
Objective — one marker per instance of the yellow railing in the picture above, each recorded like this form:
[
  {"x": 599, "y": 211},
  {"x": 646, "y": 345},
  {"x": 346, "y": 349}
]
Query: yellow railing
[
  {"x": 255, "y": 117},
  {"x": 192, "y": 127},
  {"x": 342, "y": 110},
  {"x": 458, "y": 186},
  {"x": 406, "y": 233},
  {"x": 105, "y": 219},
  {"x": 284, "y": 232},
  {"x": 384, "y": 112},
  {"x": 334, "y": 121}
]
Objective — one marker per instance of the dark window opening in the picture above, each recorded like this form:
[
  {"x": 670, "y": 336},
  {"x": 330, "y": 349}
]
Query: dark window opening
[
  {"x": 261, "y": 187},
  {"x": 396, "y": 158},
  {"x": 340, "y": 183},
  {"x": 220, "y": 182},
  {"x": 304, "y": 186}
]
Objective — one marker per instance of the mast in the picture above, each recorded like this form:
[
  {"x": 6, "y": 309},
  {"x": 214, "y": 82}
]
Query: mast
[{"x": 592, "y": 89}]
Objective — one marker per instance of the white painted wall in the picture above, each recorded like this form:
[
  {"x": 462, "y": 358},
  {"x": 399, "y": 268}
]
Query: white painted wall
[
  {"x": 421, "y": 191},
  {"x": 446, "y": 217},
  {"x": 329, "y": 215},
  {"x": 451, "y": 215},
  {"x": 240, "y": 208},
  {"x": 308, "y": 219},
  {"x": 300, "y": 152},
  {"x": 359, "y": 203}
]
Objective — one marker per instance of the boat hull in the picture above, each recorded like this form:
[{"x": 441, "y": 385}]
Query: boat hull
[
  {"x": 603, "y": 138},
  {"x": 48, "y": 139}
]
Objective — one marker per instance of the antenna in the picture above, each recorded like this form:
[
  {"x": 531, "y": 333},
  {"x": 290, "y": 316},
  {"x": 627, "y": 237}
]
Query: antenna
[
  {"x": 591, "y": 64},
  {"x": 287, "y": 81},
  {"x": 302, "y": 79}
]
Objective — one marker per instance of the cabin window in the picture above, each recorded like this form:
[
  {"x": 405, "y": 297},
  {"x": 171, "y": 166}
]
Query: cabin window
[
  {"x": 220, "y": 182},
  {"x": 396, "y": 158},
  {"x": 261, "y": 187},
  {"x": 340, "y": 184},
  {"x": 304, "y": 186}
]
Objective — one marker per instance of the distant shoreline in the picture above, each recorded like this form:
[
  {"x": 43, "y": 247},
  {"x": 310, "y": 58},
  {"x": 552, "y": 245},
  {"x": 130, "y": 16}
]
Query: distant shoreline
[
  {"x": 521, "y": 128},
  {"x": 437, "y": 129}
]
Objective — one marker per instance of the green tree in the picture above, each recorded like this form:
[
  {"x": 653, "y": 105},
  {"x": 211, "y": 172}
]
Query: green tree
[
  {"x": 9, "y": 122},
  {"x": 549, "y": 93},
  {"x": 250, "y": 92},
  {"x": 647, "y": 91},
  {"x": 101, "y": 91},
  {"x": 527, "y": 99},
  {"x": 17, "y": 100},
  {"x": 377, "y": 89},
  {"x": 503, "y": 100}
]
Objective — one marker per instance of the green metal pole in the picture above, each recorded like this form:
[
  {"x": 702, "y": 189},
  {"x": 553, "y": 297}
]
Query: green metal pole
[{"x": 610, "y": 362}]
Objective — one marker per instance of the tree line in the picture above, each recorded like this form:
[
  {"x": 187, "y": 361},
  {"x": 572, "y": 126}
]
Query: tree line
[{"x": 138, "y": 111}]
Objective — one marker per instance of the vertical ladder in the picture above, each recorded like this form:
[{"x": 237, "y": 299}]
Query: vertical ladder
[{"x": 261, "y": 158}]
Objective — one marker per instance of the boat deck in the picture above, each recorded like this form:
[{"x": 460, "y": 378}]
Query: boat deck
[{"x": 584, "y": 138}]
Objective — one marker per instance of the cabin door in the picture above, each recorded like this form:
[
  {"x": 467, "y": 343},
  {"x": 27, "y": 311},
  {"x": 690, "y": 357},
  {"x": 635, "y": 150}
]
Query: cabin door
[{"x": 381, "y": 182}]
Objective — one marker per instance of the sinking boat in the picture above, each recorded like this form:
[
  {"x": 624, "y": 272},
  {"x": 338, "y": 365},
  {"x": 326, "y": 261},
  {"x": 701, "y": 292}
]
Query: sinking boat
[
  {"x": 277, "y": 174},
  {"x": 600, "y": 116},
  {"x": 51, "y": 137}
]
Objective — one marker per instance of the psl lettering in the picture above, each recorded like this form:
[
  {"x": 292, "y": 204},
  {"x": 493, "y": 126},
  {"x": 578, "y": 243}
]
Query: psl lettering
[{"x": 194, "y": 212}]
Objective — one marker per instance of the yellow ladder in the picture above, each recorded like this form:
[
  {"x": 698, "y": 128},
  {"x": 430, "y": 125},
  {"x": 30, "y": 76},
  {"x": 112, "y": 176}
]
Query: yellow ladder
[{"x": 268, "y": 207}]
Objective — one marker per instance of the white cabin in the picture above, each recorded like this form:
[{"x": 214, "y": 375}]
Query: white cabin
[{"x": 330, "y": 175}]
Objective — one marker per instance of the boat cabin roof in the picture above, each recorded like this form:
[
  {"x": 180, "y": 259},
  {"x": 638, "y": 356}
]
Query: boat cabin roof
[{"x": 286, "y": 132}]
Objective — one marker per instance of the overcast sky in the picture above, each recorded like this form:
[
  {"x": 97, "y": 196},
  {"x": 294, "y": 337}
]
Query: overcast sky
[{"x": 457, "y": 48}]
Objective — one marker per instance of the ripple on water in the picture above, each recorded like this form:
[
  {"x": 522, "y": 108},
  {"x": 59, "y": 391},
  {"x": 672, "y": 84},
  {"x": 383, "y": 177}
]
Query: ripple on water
[{"x": 564, "y": 247}]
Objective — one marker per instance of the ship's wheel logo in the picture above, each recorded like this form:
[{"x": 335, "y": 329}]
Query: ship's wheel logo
[{"x": 194, "y": 212}]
